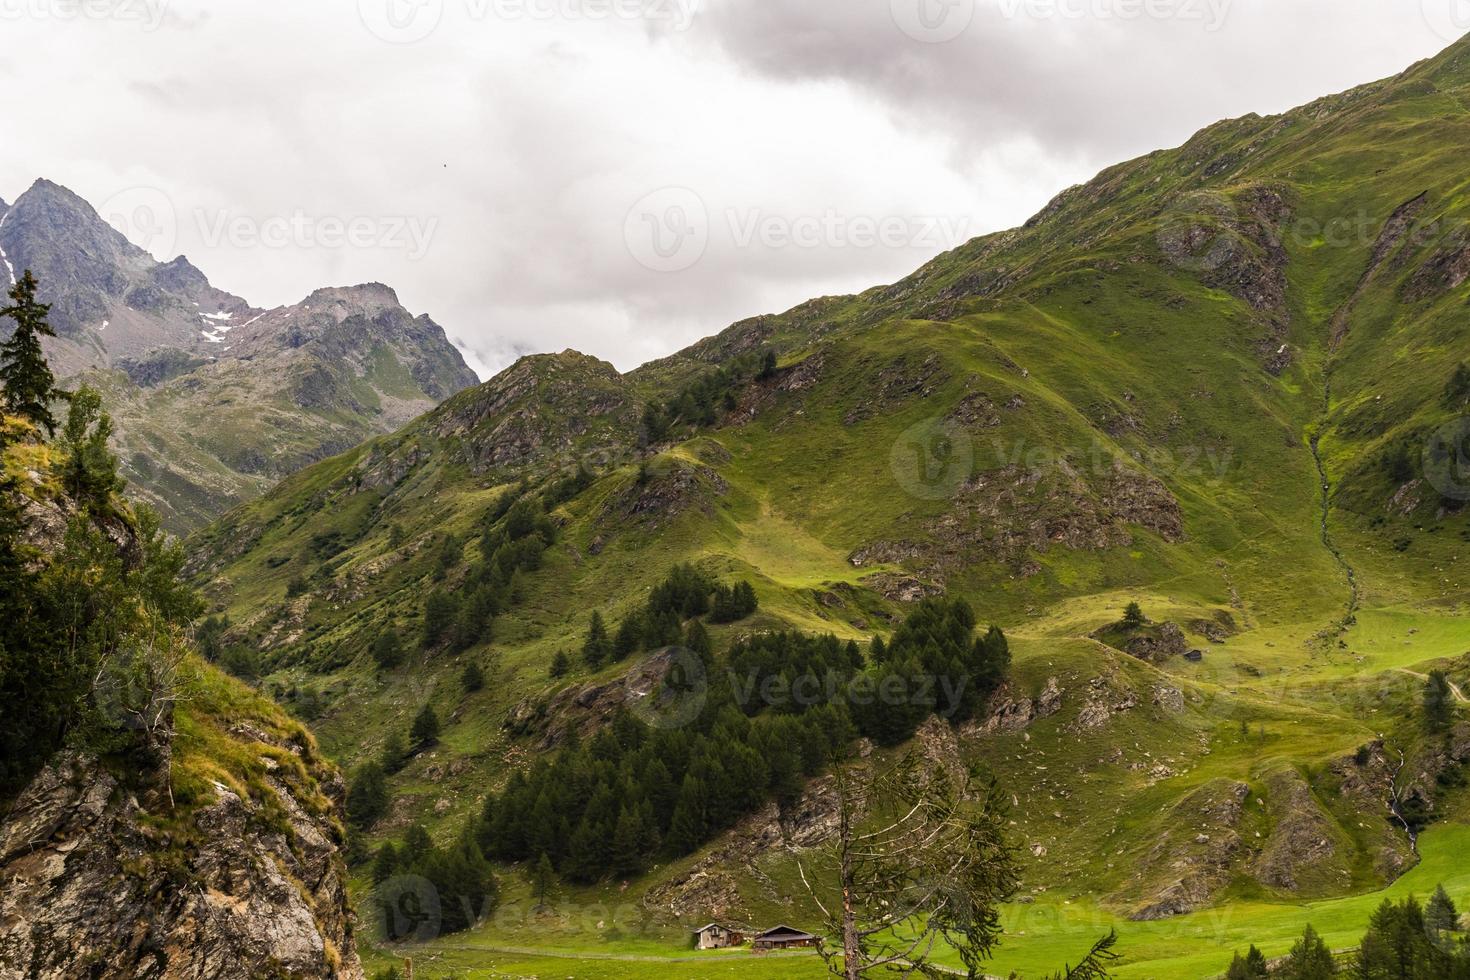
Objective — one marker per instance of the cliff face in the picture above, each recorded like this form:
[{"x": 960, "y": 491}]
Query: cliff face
[
  {"x": 93, "y": 888},
  {"x": 184, "y": 827}
]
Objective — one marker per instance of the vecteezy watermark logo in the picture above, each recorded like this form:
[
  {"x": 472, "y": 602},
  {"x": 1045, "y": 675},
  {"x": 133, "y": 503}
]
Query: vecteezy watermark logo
[
  {"x": 933, "y": 460},
  {"x": 933, "y": 21},
  {"x": 668, "y": 689},
  {"x": 409, "y": 234},
  {"x": 1450, "y": 19},
  {"x": 401, "y": 21},
  {"x": 1210, "y": 13},
  {"x": 408, "y": 908},
  {"x": 1196, "y": 233},
  {"x": 668, "y": 230},
  {"x": 408, "y": 21},
  {"x": 148, "y": 14},
  {"x": 1447, "y": 459},
  {"x": 144, "y": 216}
]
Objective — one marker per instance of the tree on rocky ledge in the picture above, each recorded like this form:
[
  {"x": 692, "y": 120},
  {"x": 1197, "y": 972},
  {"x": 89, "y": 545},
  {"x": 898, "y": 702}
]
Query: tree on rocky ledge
[{"x": 28, "y": 383}]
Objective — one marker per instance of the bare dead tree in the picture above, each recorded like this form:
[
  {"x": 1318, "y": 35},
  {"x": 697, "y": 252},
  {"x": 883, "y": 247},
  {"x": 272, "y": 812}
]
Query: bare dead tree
[{"x": 919, "y": 861}]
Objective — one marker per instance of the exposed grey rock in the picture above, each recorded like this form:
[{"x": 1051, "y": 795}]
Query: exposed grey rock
[{"x": 87, "y": 882}]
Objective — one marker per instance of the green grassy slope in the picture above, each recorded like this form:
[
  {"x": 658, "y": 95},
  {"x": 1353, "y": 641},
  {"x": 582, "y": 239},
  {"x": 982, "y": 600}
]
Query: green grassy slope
[{"x": 1128, "y": 398}]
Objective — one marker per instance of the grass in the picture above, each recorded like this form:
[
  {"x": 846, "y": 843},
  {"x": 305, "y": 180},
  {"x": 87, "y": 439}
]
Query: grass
[{"x": 1071, "y": 351}]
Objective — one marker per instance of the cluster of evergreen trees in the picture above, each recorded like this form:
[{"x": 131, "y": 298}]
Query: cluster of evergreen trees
[
  {"x": 368, "y": 797},
  {"x": 699, "y": 403},
  {"x": 686, "y": 593},
  {"x": 788, "y": 704},
  {"x": 633, "y": 794},
  {"x": 514, "y": 534},
  {"x": 1404, "y": 941},
  {"x": 465, "y": 889}
]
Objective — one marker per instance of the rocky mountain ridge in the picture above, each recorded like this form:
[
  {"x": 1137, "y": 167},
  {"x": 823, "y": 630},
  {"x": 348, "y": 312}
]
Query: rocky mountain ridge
[{"x": 214, "y": 398}]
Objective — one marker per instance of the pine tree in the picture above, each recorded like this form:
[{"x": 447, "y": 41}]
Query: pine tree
[
  {"x": 627, "y": 842},
  {"x": 597, "y": 649},
  {"x": 394, "y": 753},
  {"x": 1133, "y": 616},
  {"x": 1310, "y": 959},
  {"x": 27, "y": 381},
  {"x": 1439, "y": 704},
  {"x": 473, "y": 678},
  {"x": 561, "y": 665},
  {"x": 1440, "y": 913},
  {"x": 367, "y": 799},
  {"x": 385, "y": 863},
  {"x": 425, "y": 730},
  {"x": 1252, "y": 966},
  {"x": 90, "y": 471},
  {"x": 543, "y": 877},
  {"x": 387, "y": 650}
]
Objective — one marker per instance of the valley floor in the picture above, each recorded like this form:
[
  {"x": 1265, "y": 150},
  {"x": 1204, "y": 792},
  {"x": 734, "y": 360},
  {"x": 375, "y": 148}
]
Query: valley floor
[{"x": 1037, "y": 937}]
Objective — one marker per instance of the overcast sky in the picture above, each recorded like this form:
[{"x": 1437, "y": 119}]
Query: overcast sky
[{"x": 626, "y": 176}]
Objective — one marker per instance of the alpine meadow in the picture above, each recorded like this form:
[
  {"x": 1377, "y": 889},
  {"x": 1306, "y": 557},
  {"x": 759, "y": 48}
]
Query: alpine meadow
[{"x": 1087, "y": 603}]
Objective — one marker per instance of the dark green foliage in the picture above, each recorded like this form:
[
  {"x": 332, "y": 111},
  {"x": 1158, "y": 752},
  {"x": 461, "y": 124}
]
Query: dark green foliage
[
  {"x": 597, "y": 648},
  {"x": 296, "y": 586},
  {"x": 568, "y": 487},
  {"x": 425, "y": 729},
  {"x": 451, "y": 553},
  {"x": 367, "y": 798},
  {"x": 1251, "y": 966},
  {"x": 561, "y": 665},
  {"x": 25, "y": 377},
  {"x": 89, "y": 474},
  {"x": 461, "y": 878},
  {"x": 473, "y": 678},
  {"x": 388, "y": 650},
  {"x": 733, "y": 603},
  {"x": 1399, "y": 464},
  {"x": 1457, "y": 391},
  {"x": 441, "y": 609},
  {"x": 631, "y": 794},
  {"x": 1440, "y": 913},
  {"x": 91, "y": 613},
  {"x": 1439, "y": 702},
  {"x": 1310, "y": 959},
  {"x": 385, "y": 863},
  {"x": 395, "y": 753},
  {"x": 1398, "y": 946},
  {"x": 768, "y": 365},
  {"x": 1094, "y": 965},
  {"x": 543, "y": 879},
  {"x": 1133, "y": 616}
]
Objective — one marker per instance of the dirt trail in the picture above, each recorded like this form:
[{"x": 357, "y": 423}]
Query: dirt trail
[{"x": 1454, "y": 688}]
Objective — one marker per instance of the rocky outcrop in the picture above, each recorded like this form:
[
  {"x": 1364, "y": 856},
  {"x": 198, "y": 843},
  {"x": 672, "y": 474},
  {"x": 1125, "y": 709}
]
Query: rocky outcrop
[
  {"x": 1190, "y": 863},
  {"x": 96, "y": 885}
]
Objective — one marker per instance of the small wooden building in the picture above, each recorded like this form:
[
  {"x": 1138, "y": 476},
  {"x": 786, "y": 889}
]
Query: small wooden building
[
  {"x": 783, "y": 937},
  {"x": 716, "y": 936}
]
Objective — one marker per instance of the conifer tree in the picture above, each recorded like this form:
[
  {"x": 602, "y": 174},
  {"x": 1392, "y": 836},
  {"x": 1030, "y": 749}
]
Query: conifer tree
[
  {"x": 1440, "y": 913},
  {"x": 473, "y": 678},
  {"x": 1439, "y": 704},
  {"x": 387, "y": 650},
  {"x": 1310, "y": 959},
  {"x": 385, "y": 863},
  {"x": 597, "y": 649},
  {"x": 425, "y": 730},
  {"x": 26, "y": 378},
  {"x": 561, "y": 665},
  {"x": 543, "y": 877}
]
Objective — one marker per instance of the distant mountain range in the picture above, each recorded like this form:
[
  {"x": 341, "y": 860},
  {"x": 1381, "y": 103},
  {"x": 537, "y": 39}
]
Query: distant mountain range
[{"x": 215, "y": 399}]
